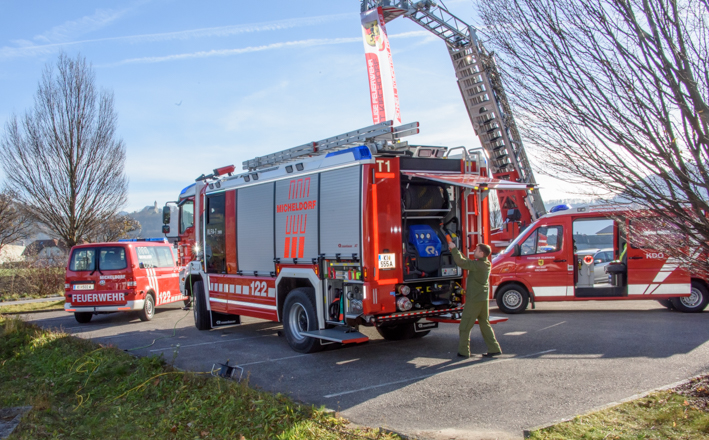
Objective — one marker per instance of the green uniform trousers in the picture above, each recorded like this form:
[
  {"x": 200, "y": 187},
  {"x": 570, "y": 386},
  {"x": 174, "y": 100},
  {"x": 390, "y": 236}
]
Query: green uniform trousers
[{"x": 479, "y": 310}]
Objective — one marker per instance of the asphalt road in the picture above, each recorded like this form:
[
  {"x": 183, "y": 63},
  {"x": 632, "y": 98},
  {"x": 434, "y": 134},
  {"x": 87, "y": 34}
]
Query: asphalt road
[{"x": 560, "y": 360}]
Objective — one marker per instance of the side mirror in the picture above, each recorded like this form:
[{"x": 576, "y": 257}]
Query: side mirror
[
  {"x": 166, "y": 228},
  {"x": 516, "y": 251},
  {"x": 165, "y": 217},
  {"x": 141, "y": 265}
]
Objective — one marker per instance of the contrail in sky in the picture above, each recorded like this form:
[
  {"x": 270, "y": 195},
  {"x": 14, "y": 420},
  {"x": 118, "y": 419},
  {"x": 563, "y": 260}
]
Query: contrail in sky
[{"x": 230, "y": 52}]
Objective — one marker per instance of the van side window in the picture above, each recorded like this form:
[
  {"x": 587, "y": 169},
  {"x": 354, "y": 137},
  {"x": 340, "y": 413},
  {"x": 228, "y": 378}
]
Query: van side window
[
  {"x": 544, "y": 240},
  {"x": 215, "y": 240},
  {"x": 186, "y": 216},
  {"x": 146, "y": 257},
  {"x": 164, "y": 256},
  {"x": 154, "y": 256}
]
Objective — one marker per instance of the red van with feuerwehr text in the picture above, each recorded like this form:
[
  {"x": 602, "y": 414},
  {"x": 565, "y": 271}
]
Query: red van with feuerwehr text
[{"x": 128, "y": 275}]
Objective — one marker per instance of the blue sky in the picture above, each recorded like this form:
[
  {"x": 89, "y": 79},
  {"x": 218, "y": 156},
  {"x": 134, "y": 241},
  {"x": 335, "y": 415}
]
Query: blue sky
[{"x": 202, "y": 85}]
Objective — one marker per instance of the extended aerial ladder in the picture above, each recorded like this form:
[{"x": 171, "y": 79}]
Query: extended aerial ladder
[{"x": 490, "y": 113}]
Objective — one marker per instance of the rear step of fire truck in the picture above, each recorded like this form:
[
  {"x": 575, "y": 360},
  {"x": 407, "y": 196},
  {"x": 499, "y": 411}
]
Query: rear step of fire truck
[{"x": 343, "y": 335}]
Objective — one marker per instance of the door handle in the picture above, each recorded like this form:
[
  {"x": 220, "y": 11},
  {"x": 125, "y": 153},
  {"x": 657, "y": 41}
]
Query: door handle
[
  {"x": 636, "y": 258},
  {"x": 559, "y": 261}
]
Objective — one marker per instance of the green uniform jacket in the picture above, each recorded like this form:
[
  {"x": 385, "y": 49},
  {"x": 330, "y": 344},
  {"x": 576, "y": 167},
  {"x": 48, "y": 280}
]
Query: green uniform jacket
[{"x": 478, "y": 287}]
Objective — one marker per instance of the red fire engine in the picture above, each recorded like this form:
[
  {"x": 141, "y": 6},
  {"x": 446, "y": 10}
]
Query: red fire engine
[
  {"x": 335, "y": 234},
  {"x": 556, "y": 259}
]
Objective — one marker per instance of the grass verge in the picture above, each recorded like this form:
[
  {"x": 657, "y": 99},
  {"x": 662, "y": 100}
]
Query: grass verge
[
  {"x": 32, "y": 307},
  {"x": 680, "y": 413},
  {"x": 79, "y": 389}
]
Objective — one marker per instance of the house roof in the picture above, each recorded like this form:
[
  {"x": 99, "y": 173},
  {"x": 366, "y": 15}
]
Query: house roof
[{"x": 38, "y": 245}]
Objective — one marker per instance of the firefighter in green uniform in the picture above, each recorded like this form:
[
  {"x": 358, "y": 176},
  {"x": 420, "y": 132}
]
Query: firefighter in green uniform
[{"x": 476, "y": 300}]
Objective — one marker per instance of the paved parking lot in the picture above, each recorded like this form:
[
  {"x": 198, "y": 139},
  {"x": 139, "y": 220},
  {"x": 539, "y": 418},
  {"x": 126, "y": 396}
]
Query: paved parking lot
[{"x": 560, "y": 360}]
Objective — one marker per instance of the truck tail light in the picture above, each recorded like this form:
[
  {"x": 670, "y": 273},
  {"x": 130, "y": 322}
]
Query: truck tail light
[
  {"x": 404, "y": 304},
  {"x": 364, "y": 274},
  {"x": 67, "y": 286},
  {"x": 404, "y": 290}
]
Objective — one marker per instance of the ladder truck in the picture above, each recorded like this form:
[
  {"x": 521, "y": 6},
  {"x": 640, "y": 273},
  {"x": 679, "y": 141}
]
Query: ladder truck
[
  {"x": 490, "y": 113},
  {"x": 332, "y": 235}
]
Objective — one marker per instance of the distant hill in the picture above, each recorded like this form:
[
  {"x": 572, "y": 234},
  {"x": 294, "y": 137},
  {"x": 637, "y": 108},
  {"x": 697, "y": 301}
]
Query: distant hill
[{"x": 150, "y": 219}]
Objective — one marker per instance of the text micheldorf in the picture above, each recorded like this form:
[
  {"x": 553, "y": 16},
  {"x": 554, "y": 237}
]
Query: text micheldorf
[{"x": 300, "y": 206}]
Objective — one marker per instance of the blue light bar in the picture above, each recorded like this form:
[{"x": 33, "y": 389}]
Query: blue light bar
[{"x": 164, "y": 240}]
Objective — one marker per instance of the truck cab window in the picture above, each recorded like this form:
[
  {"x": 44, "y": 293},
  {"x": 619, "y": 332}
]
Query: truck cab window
[
  {"x": 186, "y": 216},
  {"x": 544, "y": 240}
]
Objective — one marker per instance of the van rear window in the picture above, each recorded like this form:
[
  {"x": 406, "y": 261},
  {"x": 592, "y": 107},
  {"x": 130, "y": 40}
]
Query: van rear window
[{"x": 110, "y": 258}]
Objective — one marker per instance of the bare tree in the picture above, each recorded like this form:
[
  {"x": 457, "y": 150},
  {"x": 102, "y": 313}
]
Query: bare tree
[
  {"x": 116, "y": 227},
  {"x": 613, "y": 94},
  {"x": 15, "y": 224},
  {"x": 63, "y": 159}
]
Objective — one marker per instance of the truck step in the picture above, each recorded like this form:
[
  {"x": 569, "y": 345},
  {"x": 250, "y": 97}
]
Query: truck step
[
  {"x": 453, "y": 320},
  {"x": 342, "y": 335}
]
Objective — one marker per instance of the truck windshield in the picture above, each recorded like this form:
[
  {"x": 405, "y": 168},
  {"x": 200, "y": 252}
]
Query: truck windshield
[
  {"x": 110, "y": 258},
  {"x": 519, "y": 237}
]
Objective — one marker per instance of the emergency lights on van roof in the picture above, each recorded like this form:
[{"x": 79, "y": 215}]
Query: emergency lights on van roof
[
  {"x": 558, "y": 208},
  {"x": 164, "y": 240}
]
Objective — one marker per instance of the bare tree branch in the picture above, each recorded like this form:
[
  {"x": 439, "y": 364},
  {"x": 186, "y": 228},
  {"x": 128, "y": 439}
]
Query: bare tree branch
[{"x": 614, "y": 94}]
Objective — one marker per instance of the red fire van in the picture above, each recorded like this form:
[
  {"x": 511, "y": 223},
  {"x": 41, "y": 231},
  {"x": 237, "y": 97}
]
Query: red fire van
[
  {"x": 553, "y": 260},
  {"x": 128, "y": 275}
]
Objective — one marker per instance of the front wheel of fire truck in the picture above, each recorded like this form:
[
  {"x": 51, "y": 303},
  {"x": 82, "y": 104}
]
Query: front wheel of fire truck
[
  {"x": 299, "y": 316},
  {"x": 400, "y": 332},
  {"x": 199, "y": 308},
  {"x": 694, "y": 303},
  {"x": 512, "y": 299},
  {"x": 83, "y": 317},
  {"x": 148, "y": 308}
]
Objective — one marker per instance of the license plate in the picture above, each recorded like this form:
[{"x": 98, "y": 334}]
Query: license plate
[
  {"x": 83, "y": 287},
  {"x": 386, "y": 261}
]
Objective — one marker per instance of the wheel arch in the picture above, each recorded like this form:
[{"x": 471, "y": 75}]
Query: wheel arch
[
  {"x": 520, "y": 283},
  {"x": 292, "y": 278}
]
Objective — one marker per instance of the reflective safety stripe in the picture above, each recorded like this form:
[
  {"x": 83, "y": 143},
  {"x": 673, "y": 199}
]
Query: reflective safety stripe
[{"x": 244, "y": 304}]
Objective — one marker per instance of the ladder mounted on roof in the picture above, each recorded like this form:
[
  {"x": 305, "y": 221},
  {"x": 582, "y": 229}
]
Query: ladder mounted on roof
[
  {"x": 480, "y": 84},
  {"x": 381, "y": 137}
]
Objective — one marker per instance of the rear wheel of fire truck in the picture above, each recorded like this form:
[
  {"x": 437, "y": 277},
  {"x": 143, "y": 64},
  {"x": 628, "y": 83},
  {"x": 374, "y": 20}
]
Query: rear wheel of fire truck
[
  {"x": 148, "y": 308},
  {"x": 694, "y": 303},
  {"x": 400, "y": 332},
  {"x": 199, "y": 309},
  {"x": 299, "y": 316},
  {"x": 83, "y": 317},
  {"x": 512, "y": 298}
]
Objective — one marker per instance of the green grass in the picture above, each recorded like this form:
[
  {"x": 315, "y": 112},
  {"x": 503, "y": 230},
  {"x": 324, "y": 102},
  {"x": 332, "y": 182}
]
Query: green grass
[
  {"x": 32, "y": 307},
  {"x": 79, "y": 389},
  {"x": 663, "y": 415}
]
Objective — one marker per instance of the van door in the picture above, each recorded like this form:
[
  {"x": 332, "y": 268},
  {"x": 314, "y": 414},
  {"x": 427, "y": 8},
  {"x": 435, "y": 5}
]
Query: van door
[
  {"x": 158, "y": 266},
  {"x": 651, "y": 272},
  {"x": 544, "y": 261}
]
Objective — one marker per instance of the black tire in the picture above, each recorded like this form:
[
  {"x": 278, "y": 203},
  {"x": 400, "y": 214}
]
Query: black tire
[
  {"x": 201, "y": 315},
  {"x": 666, "y": 303},
  {"x": 400, "y": 332},
  {"x": 512, "y": 299},
  {"x": 695, "y": 303},
  {"x": 148, "y": 308},
  {"x": 83, "y": 317},
  {"x": 299, "y": 315}
]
